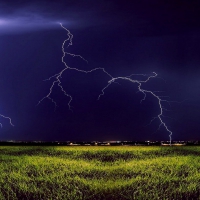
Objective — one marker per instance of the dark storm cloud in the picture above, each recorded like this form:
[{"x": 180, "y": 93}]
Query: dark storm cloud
[{"x": 168, "y": 17}]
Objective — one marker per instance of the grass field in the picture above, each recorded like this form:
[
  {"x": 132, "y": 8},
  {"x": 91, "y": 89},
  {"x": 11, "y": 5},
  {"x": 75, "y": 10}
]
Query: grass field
[{"x": 99, "y": 173}]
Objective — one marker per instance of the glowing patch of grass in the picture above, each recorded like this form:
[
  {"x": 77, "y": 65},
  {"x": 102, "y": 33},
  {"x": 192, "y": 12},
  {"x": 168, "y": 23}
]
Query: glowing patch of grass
[{"x": 100, "y": 173}]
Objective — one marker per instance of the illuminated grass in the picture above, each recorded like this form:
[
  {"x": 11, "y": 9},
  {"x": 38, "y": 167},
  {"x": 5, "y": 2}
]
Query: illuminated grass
[{"x": 99, "y": 173}]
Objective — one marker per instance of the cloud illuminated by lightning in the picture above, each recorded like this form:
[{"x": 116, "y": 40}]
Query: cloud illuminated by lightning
[
  {"x": 3, "y": 22},
  {"x": 57, "y": 82},
  {"x": 24, "y": 24},
  {"x": 27, "y": 22}
]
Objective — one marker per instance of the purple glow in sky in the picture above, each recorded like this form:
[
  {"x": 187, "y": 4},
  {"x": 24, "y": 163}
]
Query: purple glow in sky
[
  {"x": 3, "y": 22},
  {"x": 22, "y": 24}
]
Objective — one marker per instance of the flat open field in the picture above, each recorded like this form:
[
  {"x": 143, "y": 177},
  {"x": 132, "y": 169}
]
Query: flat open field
[{"x": 123, "y": 172}]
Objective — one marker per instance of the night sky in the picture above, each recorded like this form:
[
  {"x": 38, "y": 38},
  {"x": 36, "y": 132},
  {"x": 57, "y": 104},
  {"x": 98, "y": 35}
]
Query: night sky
[{"x": 124, "y": 37}]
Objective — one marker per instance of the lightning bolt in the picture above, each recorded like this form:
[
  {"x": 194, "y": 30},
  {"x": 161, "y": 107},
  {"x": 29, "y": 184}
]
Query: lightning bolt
[
  {"x": 57, "y": 82},
  {"x": 160, "y": 116},
  {"x": 5, "y": 117},
  {"x": 57, "y": 77}
]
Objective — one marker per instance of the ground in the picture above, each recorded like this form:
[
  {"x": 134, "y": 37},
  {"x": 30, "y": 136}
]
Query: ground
[{"x": 94, "y": 172}]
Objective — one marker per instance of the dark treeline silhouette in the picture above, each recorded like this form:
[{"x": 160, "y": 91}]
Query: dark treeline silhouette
[{"x": 98, "y": 143}]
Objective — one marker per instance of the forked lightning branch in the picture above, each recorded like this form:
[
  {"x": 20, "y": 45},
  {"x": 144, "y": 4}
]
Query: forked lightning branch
[
  {"x": 56, "y": 82},
  {"x": 8, "y": 118}
]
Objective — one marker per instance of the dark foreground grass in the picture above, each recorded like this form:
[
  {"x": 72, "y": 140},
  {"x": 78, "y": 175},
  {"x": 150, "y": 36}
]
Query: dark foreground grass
[{"x": 99, "y": 173}]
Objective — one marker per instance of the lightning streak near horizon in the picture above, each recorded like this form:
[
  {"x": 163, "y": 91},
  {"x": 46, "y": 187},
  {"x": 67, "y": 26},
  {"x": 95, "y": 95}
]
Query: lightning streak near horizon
[
  {"x": 57, "y": 82},
  {"x": 5, "y": 117},
  {"x": 145, "y": 92}
]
